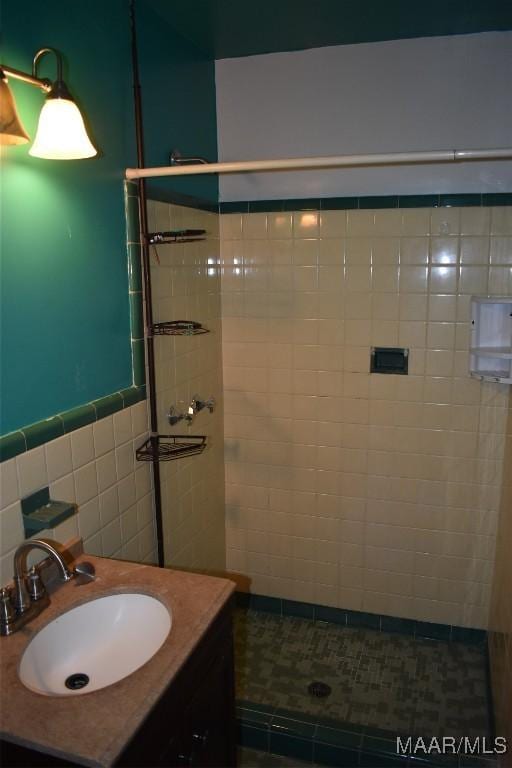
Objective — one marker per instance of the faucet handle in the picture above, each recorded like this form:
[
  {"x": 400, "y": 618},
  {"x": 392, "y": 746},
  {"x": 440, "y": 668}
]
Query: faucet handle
[
  {"x": 84, "y": 571},
  {"x": 198, "y": 403},
  {"x": 7, "y": 613},
  {"x": 35, "y": 586},
  {"x": 21, "y": 596}
]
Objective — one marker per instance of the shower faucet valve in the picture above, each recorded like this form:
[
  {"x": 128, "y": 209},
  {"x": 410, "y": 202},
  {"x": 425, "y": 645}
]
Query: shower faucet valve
[{"x": 198, "y": 404}]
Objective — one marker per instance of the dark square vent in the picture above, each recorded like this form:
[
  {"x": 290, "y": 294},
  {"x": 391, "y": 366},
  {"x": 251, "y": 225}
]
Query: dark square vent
[{"x": 389, "y": 360}]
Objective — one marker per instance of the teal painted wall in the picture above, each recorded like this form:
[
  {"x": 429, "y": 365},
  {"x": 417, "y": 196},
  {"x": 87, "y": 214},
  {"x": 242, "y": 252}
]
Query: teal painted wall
[
  {"x": 179, "y": 104},
  {"x": 64, "y": 289},
  {"x": 65, "y": 311}
]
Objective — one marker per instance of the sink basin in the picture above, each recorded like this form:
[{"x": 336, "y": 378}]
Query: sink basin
[{"x": 94, "y": 645}]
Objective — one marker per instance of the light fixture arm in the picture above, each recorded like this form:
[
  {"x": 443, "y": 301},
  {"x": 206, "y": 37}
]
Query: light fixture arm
[
  {"x": 37, "y": 58},
  {"x": 44, "y": 83},
  {"x": 39, "y": 82}
]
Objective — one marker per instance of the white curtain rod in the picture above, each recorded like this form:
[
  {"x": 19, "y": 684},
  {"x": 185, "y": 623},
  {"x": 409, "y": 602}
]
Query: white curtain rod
[{"x": 336, "y": 161}]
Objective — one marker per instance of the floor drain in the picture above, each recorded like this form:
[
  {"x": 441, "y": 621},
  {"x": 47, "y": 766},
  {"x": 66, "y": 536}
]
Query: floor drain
[
  {"x": 318, "y": 689},
  {"x": 77, "y": 681}
]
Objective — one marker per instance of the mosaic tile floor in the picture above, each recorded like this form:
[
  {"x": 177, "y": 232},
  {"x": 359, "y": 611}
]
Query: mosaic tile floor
[
  {"x": 385, "y": 681},
  {"x": 252, "y": 758}
]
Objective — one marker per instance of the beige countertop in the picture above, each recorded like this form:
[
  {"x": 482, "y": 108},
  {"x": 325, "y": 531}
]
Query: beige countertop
[{"x": 93, "y": 728}]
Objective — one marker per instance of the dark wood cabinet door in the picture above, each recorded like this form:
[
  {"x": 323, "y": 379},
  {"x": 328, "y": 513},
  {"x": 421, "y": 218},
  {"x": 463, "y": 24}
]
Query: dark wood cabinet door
[
  {"x": 207, "y": 726},
  {"x": 193, "y": 724}
]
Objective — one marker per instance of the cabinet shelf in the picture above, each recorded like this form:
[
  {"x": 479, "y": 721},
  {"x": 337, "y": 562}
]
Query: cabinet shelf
[
  {"x": 504, "y": 353},
  {"x": 500, "y": 377},
  {"x": 490, "y": 353}
]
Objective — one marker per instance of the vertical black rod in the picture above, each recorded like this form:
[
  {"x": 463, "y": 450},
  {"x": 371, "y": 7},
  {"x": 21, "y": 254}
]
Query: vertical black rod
[{"x": 143, "y": 218}]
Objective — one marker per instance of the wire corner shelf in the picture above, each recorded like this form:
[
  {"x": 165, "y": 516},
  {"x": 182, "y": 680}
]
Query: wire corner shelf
[
  {"x": 178, "y": 328},
  {"x": 170, "y": 447},
  {"x": 176, "y": 236}
]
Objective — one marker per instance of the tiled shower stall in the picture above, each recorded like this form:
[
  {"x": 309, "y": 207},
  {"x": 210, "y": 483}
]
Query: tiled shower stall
[
  {"x": 374, "y": 495},
  {"x": 377, "y": 493}
]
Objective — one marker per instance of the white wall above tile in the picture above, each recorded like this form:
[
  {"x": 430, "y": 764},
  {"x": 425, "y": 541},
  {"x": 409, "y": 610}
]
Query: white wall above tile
[{"x": 403, "y": 95}]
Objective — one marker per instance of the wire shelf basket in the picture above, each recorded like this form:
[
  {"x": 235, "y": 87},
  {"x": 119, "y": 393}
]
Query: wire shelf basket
[
  {"x": 170, "y": 447},
  {"x": 178, "y": 328},
  {"x": 176, "y": 236}
]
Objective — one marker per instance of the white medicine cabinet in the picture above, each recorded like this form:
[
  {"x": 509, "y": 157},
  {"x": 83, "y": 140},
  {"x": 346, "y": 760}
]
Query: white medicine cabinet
[{"x": 491, "y": 338}]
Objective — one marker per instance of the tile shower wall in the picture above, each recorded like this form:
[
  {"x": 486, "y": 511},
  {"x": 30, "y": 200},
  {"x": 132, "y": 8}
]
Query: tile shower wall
[
  {"x": 501, "y": 613},
  {"x": 95, "y": 468},
  {"x": 186, "y": 286},
  {"x": 368, "y": 492}
]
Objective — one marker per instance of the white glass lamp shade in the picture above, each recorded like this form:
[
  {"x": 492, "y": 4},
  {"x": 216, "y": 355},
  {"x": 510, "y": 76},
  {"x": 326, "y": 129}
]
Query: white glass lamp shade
[{"x": 61, "y": 133}]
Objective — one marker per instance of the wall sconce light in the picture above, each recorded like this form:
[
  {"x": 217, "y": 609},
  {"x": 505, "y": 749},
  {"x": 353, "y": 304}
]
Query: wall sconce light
[{"x": 61, "y": 133}]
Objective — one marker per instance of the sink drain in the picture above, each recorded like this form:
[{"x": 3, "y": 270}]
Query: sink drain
[
  {"x": 318, "y": 689},
  {"x": 77, "y": 681}
]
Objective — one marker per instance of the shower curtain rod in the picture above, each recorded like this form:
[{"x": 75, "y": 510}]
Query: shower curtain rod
[{"x": 336, "y": 161}]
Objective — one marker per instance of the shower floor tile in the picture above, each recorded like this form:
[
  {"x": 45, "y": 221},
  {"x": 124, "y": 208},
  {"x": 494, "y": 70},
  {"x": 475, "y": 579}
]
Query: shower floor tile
[
  {"x": 379, "y": 680},
  {"x": 252, "y": 758}
]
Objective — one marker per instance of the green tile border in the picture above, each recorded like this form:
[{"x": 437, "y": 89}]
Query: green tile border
[
  {"x": 367, "y": 202},
  {"x": 139, "y": 362},
  {"x": 41, "y": 432},
  {"x": 109, "y": 404},
  {"x": 136, "y": 316},
  {"x": 134, "y": 256},
  {"x": 497, "y": 198},
  {"x": 12, "y": 445},
  {"x": 132, "y": 395},
  {"x": 334, "y": 743},
  {"x": 78, "y": 417},
  {"x": 377, "y": 622},
  {"x": 34, "y": 435},
  {"x": 382, "y": 201},
  {"x": 131, "y": 209},
  {"x": 134, "y": 275}
]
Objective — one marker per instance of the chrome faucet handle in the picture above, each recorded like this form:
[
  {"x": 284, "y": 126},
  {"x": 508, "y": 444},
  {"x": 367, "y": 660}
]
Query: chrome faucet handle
[
  {"x": 84, "y": 572},
  {"x": 174, "y": 416},
  {"x": 22, "y": 600},
  {"x": 198, "y": 404},
  {"x": 7, "y": 612},
  {"x": 34, "y": 583}
]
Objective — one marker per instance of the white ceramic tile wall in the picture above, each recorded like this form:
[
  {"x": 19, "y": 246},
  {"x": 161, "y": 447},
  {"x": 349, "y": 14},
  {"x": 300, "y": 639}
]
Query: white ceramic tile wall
[
  {"x": 186, "y": 286},
  {"x": 94, "y": 467},
  {"x": 368, "y": 492}
]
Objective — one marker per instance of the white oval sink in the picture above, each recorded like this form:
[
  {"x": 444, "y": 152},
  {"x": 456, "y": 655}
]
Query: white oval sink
[{"x": 95, "y": 645}]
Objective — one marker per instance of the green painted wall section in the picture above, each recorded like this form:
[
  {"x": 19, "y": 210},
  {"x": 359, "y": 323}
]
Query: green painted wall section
[
  {"x": 64, "y": 285},
  {"x": 65, "y": 310},
  {"x": 179, "y": 104}
]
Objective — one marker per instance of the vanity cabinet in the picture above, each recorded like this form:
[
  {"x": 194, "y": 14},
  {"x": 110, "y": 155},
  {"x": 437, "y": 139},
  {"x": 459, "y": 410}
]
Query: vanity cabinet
[{"x": 193, "y": 722}]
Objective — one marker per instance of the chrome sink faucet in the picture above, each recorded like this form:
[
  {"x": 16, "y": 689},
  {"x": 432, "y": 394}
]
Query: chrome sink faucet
[{"x": 30, "y": 596}]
